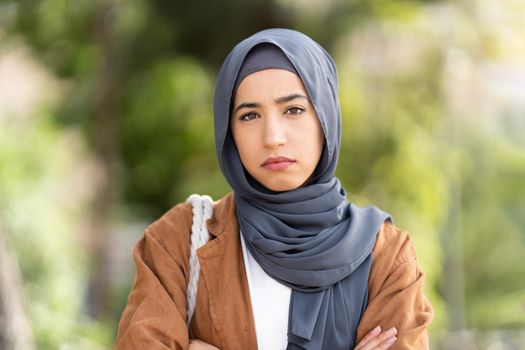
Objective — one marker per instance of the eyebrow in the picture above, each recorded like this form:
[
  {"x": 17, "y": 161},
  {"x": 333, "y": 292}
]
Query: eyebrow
[{"x": 279, "y": 100}]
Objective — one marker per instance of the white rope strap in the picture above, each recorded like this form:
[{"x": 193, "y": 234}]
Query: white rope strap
[{"x": 202, "y": 211}]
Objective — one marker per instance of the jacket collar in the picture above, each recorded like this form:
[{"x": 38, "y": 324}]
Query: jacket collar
[{"x": 224, "y": 217}]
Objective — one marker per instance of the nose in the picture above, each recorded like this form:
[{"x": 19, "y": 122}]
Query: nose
[{"x": 274, "y": 132}]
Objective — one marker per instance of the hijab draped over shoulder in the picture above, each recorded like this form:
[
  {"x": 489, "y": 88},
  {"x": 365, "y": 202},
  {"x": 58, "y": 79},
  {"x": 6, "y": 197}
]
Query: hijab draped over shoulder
[{"x": 312, "y": 238}]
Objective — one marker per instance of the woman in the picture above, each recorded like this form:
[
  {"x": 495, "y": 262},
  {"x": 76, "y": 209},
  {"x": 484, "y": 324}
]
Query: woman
[{"x": 290, "y": 262}]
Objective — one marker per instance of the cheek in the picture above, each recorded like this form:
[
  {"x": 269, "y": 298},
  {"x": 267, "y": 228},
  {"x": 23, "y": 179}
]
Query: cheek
[
  {"x": 315, "y": 142},
  {"x": 244, "y": 144}
]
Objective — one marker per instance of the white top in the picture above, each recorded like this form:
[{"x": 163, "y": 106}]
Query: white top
[{"x": 270, "y": 303}]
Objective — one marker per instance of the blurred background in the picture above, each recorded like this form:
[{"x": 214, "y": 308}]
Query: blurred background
[{"x": 106, "y": 122}]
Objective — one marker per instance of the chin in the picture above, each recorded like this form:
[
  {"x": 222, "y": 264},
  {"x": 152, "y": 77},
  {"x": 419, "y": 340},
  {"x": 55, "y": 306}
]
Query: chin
[{"x": 282, "y": 187}]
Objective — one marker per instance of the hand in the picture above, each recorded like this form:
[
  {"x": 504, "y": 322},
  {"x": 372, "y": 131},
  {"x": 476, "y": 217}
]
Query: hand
[
  {"x": 196, "y": 344},
  {"x": 377, "y": 340}
]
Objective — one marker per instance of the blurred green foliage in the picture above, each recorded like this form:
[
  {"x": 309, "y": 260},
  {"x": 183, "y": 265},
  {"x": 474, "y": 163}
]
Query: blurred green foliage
[
  {"x": 407, "y": 147},
  {"x": 36, "y": 162}
]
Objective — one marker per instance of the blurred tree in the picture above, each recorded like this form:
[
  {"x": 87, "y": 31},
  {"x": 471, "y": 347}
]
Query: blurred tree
[{"x": 15, "y": 327}]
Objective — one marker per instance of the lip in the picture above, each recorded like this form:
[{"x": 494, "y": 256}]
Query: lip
[{"x": 277, "y": 163}]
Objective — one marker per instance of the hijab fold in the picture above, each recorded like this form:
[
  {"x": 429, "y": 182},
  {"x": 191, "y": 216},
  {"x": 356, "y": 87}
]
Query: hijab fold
[{"x": 310, "y": 238}]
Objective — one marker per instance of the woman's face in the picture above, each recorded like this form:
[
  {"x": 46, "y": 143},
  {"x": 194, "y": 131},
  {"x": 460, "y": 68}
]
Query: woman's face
[{"x": 273, "y": 118}]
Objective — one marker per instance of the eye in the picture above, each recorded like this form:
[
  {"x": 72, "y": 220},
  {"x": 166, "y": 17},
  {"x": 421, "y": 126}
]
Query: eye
[
  {"x": 295, "y": 110},
  {"x": 248, "y": 116}
]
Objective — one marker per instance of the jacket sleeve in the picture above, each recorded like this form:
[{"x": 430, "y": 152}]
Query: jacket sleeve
[
  {"x": 396, "y": 297},
  {"x": 155, "y": 315}
]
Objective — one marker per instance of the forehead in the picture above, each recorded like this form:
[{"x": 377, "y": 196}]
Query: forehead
[{"x": 269, "y": 83}]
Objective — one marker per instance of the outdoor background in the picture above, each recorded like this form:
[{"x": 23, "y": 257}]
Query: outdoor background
[{"x": 106, "y": 122}]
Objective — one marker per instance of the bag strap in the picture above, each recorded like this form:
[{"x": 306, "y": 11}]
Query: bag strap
[{"x": 202, "y": 211}]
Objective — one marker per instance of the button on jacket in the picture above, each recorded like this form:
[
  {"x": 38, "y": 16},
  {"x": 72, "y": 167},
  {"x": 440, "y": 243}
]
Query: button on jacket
[{"x": 156, "y": 312}]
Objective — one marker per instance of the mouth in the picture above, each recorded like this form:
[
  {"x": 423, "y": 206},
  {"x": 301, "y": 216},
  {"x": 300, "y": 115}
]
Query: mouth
[{"x": 277, "y": 163}]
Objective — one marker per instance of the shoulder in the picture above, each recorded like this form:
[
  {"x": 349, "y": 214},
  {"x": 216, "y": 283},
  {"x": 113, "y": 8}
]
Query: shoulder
[
  {"x": 393, "y": 248},
  {"x": 176, "y": 220},
  {"x": 393, "y": 244},
  {"x": 173, "y": 228}
]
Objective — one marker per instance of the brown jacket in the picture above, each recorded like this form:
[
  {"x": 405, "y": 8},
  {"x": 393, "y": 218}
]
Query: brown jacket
[{"x": 155, "y": 316}]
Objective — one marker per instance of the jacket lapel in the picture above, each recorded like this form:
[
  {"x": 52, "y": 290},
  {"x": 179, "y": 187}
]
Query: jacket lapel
[{"x": 222, "y": 267}]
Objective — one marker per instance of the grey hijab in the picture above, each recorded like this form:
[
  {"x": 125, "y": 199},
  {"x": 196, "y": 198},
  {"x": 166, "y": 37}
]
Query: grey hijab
[{"x": 310, "y": 238}]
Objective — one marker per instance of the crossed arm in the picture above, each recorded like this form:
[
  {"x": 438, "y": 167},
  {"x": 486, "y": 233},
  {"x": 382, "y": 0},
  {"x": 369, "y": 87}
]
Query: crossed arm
[
  {"x": 374, "y": 340},
  {"x": 155, "y": 315}
]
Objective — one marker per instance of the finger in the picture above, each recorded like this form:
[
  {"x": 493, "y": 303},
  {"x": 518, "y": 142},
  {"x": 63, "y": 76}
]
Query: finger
[
  {"x": 197, "y": 344},
  {"x": 372, "y": 334},
  {"x": 380, "y": 339},
  {"x": 387, "y": 344}
]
